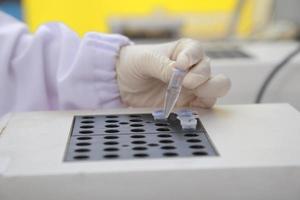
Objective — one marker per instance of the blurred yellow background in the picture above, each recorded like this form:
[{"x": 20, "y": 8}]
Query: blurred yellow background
[{"x": 202, "y": 18}]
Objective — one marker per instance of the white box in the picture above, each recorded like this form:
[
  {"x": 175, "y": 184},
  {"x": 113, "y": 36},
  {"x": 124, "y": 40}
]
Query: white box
[{"x": 258, "y": 146}]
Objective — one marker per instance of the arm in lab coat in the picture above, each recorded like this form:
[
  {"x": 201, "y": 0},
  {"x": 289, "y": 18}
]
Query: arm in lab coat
[{"x": 55, "y": 69}]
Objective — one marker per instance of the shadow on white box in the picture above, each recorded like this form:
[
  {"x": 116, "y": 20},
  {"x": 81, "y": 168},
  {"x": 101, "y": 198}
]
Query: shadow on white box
[
  {"x": 247, "y": 74},
  {"x": 258, "y": 147}
]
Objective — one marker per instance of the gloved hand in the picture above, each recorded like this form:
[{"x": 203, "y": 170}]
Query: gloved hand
[{"x": 144, "y": 71}]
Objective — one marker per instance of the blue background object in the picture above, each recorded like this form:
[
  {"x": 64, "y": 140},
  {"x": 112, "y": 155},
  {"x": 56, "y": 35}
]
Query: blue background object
[{"x": 12, "y": 7}]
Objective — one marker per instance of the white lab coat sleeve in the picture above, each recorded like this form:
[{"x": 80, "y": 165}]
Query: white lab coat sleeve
[{"x": 55, "y": 69}]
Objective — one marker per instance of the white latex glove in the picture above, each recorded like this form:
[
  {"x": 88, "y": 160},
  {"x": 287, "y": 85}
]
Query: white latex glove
[{"x": 144, "y": 71}]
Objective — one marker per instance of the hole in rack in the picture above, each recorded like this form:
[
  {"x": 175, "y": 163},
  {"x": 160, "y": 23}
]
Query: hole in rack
[
  {"x": 111, "y": 116},
  {"x": 87, "y": 122},
  {"x": 137, "y": 130},
  {"x": 111, "y": 137},
  {"x": 170, "y": 154},
  {"x": 81, "y": 157},
  {"x": 140, "y": 155},
  {"x": 83, "y": 144},
  {"x": 88, "y": 117},
  {"x": 86, "y": 132},
  {"x": 191, "y": 135},
  {"x": 199, "y": 153},
  {"x": 82, "y": 150},
  {"x": 166, "y": 141},
  {"x": 139, "y": 148},
  {"x": 193, "y": 141},
  {"x": 111, "y": 143},
  {"x": 123, "y": 123},
  {"x": 168, "y": 147},
  {"x": 197, "y": 147},
  {"x": 111, "y": 149},
  {"x": 111, "y": 131},
  {"x": 111, "y": 126},
  {"x": 135, "y": 120},
  {"x": 163, "y": 129},
  {"x": 84, "y": 138},
  {"x": 137, "y": 136},
  {"x": 136, "y": 125},
  {"x": 138, "y": 142},
  {"x": 86, "y": 126},
  {"x": 111, "y": 121},
  {"x": 164, "y": 135},
  {"x": 111, "y": 156}
]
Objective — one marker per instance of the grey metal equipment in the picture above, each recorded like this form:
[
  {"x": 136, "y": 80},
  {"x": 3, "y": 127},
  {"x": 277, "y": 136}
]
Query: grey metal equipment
[{"x": 135, "y": 136}]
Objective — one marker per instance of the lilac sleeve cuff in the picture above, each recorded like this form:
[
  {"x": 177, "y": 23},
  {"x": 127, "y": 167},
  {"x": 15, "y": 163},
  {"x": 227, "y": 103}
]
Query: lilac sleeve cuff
[{"x": 96, "y": 85}]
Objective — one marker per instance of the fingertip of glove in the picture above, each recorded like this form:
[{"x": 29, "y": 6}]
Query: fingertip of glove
[
  {"x": 225, "y": 82},
  {"x": 216, "y": 86},
  {"x": 197, "y": 75},
  {"x": 182, "y": 62},
  {"x": 193, "y": 80}
]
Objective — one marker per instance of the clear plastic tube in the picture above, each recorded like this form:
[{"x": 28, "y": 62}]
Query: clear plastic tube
[
  {"x": 173, "y": 91},
  {"x": 158, "y": 115},
  {"x": 188, "y": 120}
]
